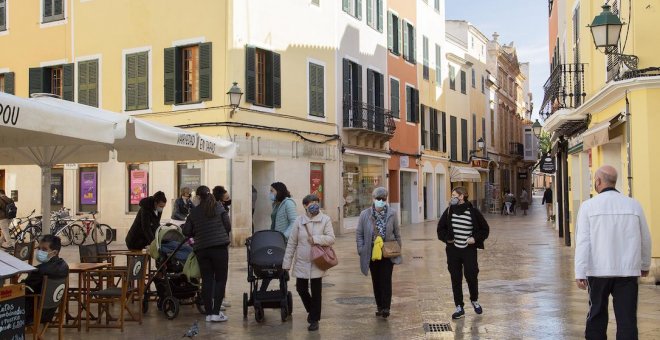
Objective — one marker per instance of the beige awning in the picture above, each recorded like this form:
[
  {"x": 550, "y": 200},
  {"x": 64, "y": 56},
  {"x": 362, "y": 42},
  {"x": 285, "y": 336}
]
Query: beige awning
[
  {"x": 596, "y": 135},
  {"x": 464, "y": 174}
]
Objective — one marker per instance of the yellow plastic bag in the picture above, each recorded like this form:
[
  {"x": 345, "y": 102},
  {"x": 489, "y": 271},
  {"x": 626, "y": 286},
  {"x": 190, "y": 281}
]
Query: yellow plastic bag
[{"x": 377, "y": 251}]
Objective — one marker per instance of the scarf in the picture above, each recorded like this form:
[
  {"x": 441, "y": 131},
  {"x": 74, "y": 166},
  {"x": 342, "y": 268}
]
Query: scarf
[{"x": 380, "y": 217}]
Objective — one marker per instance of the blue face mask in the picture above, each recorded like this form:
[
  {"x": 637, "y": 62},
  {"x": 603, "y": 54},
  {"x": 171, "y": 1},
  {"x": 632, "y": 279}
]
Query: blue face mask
[
  {"x": 313, "y": 209},
  {"x": 379, "y": 204},
  {"x": 42, "y": 256},
  {"x": 271, "y": 196}
]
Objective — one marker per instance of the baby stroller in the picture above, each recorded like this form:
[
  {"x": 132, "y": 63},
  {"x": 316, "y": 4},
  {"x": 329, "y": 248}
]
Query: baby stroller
[
  {"x": 265, "y": 253},
  {"x": 173, "y": 287}
]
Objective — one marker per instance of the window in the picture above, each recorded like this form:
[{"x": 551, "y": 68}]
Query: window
[
  {"x": 463, "y": 82},
  {"x": 425, "y": 50},
  {"x": 7, "y": 82},
  {"x": 437, "y": 6},
  {"x": 57, "y": 188},
  {"x": 464, "y": 140},
  {"x": 483, "y": 130},
  {"x": 188, "y": 74},
  {"x": 393, "y": 33},
  {"x": 352, "y": 93},
  {"x": 138, "y": 185},
  {"x": 474, "y": 131},
  {"x": 3, "y": 15},
  {"x": 474, "y": 79},
  {"x": 435, "y": 132},
  {"x": 394, "y": 97},
  {"x": 452, "y": 77},
  {"x": 53, "y": 10},
  {"x": 353, "y": 7},
  {"x": 263, "y": 80},
  {"x": 412, "y": 104},
  {"x": 443, "y": 137},
  {"x": 316, "y": 2},
  {"x": 88, "y": 82},
  {"x": 189, "y": 175},
  {"x": 424, "y": 124},
  {"x": 492, "y": 126},
  {"x": 88, "y": 194},
  {"x": 483, "y": 84},
  {"x": 453, "y": 138},
  {"x": 316, "y": 181},
  {"x": 316, "y": 97},
  {"x": 438, "y": 65},
  {"x": 57, "y": 80},
  {"x": 375, "y": 89},
  {"x": 408, "y": 42},
  {"x": 137, "y": 81},
  {"x": 375, "y": 14}
]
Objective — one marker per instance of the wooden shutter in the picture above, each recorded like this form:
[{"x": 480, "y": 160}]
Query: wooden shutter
[
  {"x": 48, "y": 8},
  {"x": 358, "y": 9},
  {"x": 131, "y": 81},
  {"x": 170, "y": 78},
  {"x": 474, "y": 131},
  {"x": 404, "y": 29},
  {"x": 483, "y": 130},
  {"x": 205, "y": 74},
  {"x": 68, "y": 82},
  {"x": 416, "y": 103},
  {"x": 464, "y": 139},
  {"x": 320, "y": 89},
  {"x": 276, "y": 81},
  {"x": 454, "y": 138},
  {"x": 58, "y": 7},
  {"x": 37, "y": 80},
  {"x": 312, "y": 89},
  {"x": 82, "y": 83},
  {"x": 88, "y": 83},
  {"x": 438, "y": 64},
  {"x": 444, "y": 132},
  {"x": 381, "y": 90},
  {"x": 359, "y": 83},
  {"x": 316, "y": 105},
  {"x": 371, "y": 100},
  {"x": 142, "y": 99},
  {"x": 9, "y": 83},
  {"x": 379, "y": 15},
  {"x": 409, "y": 114},
  {"x": 370, "y": 16},
  {"x": 390, "y": 34},
  {"x": 423, "y": 124},
  {"x": 3, "y": 15},
  {"x": 345, "y": 4},
  {"x": 394, "y": 95},
  {"x": 346, "y": 68},
  {"x": 250, "y": 74}
]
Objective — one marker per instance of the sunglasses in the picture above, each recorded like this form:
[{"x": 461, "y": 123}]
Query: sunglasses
[{"x": 381, "y": 198}]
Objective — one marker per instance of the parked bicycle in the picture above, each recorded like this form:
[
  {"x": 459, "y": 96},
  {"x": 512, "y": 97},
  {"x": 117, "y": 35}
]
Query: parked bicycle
[
  {"x": 25, "y": 229},
  {"x": 100, "y": 233},
  {"x": 62, "y": 225}
]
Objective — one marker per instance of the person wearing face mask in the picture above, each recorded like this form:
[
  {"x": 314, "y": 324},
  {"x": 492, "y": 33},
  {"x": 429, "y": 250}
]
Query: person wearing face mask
[
  {"x": 312, "y": 228},
  {"x": 464, "y": 229},
  {"x": 147, "y": 221},
  {"x": 182, "y": 205},
  {"x": 284, "y": 209},
  {"x": 222, "y": 196},
  {"x": 378, "y": 220},
  {"x": 51, "y": 265}
]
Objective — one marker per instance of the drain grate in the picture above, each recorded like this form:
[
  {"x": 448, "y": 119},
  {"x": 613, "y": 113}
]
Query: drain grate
[
  {"x": 437, "y": 327},
  {"x": 417, "y": 257}
]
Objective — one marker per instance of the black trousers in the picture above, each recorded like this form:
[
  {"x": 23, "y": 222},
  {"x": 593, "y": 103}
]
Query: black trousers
[
  {"x": 461, "y": 260},
  {"x": 214, "y": 264},
  {"x": 624, "y": 291},
  {"x": 381, "y": 279},
  {"x": 312, "y": 302}
]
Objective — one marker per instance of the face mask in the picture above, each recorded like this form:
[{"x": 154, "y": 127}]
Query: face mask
[
  {"x": 159, "y": 210},
  {"x": 313, "y": 209},
  {"x": 453, "y": 201},
  {"x": 379, "y": 204},
  {"x": 271, "y": 196},
  {"x": 196, "y": 201},
  {"x": 42, "y": 256},
  {"x": 226, "y": 203}
]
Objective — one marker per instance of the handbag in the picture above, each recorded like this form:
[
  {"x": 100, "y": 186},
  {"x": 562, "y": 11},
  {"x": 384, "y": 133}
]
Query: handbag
[
  {"x": 323, "y": 257},
  {"x": 390, "y": 248}
]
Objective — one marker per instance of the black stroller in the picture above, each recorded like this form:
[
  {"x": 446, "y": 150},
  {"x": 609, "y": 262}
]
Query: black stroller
[{"x": 265, "y": 253}]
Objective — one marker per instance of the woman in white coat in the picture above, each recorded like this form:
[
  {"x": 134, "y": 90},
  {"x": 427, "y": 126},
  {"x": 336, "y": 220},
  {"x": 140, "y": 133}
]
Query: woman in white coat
[{"x": 314, "y": 227}]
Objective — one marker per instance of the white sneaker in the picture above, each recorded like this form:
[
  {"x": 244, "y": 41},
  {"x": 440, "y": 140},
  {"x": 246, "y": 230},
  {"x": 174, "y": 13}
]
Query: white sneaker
[
  {"x": 219, "y": 318},
  {"x": 208, "y": 318},
  {"x": 226, "y": 303}
]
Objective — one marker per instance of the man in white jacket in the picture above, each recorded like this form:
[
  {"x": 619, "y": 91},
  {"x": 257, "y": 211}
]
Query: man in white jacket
[{"x": 613, "y": 248}]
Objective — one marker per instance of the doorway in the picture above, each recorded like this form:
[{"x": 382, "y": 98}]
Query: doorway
[
  {"x": 442, "y": 194},
  {"x": 406, "y": 198},
  {"x": 429, "y": 197},
  {"x": 263, "y": 175}
]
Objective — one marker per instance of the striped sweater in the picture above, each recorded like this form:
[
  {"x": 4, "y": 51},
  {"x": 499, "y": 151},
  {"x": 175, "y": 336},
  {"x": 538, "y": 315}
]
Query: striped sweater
[{"x": 462, "y": 227}]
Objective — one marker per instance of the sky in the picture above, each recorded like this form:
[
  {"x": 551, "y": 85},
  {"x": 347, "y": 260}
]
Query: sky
[{"x": 525, "y": 22}]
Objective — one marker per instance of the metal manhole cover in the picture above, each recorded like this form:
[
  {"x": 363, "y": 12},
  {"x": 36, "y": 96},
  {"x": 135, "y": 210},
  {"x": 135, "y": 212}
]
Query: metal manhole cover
[
  {"x": 327, "y": 285},
  {"x": 356, "y": 300},
  {"x": 437, "y": 327}
]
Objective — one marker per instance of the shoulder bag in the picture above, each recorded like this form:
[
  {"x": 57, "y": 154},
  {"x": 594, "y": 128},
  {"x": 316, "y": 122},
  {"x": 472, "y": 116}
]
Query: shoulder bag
[
  {"x": 323, "y": 257},
  {"x": 390, "y": 248}
]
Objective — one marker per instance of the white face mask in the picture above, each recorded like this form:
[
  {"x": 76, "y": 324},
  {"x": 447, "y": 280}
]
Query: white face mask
[{"x": 196, "y": 201}]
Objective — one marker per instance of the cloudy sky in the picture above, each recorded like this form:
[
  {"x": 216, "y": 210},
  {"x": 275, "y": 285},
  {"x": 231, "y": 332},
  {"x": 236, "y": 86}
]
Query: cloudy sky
[{"x": 525, "y": 22}]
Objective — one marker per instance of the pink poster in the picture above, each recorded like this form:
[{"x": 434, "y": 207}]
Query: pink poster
[{"x": 139, "y": 185}]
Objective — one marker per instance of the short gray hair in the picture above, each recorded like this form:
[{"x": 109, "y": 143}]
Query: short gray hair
[
  {"x": 310, "y": 198},
  {"x": 379, "y": 192}
]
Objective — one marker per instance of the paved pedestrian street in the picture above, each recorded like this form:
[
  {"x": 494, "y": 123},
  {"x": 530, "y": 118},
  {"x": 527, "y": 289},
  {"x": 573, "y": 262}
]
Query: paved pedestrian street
[{"x": 526, "y": 288}]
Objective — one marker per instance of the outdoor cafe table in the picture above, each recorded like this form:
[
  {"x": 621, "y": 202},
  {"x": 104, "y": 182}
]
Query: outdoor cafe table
[{"x": 77, "y": 296}]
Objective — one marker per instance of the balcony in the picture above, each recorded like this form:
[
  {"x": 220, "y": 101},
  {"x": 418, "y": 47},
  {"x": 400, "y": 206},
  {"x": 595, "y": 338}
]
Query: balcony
[
  {"x": 564, "y": 89},
  {"x": 369, "y": 121},
  {"x": 516, "y": 149}
]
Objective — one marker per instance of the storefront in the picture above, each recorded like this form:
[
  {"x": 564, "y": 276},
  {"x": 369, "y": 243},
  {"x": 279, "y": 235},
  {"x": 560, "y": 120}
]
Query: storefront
[
  {"x": 467, "y": 177},
  {"x": 361, "y": 175}
]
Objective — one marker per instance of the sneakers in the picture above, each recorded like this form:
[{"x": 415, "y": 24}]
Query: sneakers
[
  {"x": 477, "y": 307},
  {"x": 208, "y": 318},
  {"x": 459, "y": 313},
  {"x": 219, "y": 318}
]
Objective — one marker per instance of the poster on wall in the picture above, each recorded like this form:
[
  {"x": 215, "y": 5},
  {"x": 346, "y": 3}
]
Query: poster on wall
[
  {"x": 191, "y": 178},
  {"x": 56, "y": 188},
  {"x": 88, "y": 188},
  {"x": 139, "y": 185},
  {"x": 316, "y": 181}
]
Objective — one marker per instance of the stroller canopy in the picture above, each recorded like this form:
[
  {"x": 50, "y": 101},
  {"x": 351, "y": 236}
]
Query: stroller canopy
[{"x": 267, "y": 248}]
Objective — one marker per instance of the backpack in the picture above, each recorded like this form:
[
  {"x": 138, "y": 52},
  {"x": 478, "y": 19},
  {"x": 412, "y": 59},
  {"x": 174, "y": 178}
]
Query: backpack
[{"x": 10, "y": 209}]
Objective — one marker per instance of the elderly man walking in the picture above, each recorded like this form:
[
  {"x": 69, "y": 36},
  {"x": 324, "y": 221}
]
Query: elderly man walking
[{"x": 613, "y": 248}]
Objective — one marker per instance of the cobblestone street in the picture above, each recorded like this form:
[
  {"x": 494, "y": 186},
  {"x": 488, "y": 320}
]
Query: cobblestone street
[{"x": 526, "y": 289}]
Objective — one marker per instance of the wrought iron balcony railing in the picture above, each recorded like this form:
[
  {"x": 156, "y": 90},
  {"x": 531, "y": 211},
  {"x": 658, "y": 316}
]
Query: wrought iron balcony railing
[
  {"x": 564, "y": 89},
  {"x": 516, "y": 149},
  {"x": 359, "y": 115}
]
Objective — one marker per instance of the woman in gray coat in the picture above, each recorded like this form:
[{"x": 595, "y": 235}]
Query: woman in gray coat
[{"x": 379, "y": 219}]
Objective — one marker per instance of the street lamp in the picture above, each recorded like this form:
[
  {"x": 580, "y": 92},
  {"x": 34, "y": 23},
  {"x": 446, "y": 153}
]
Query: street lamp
[
  {"x": 235, "y": 95},
  {"x": 537, "y": 128},
  {"x": 606, "y": 28},
  {"x": 481, "y": 143}
]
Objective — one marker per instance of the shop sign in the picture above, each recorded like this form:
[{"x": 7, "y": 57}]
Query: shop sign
[
  {"x": 547, "y": 164},
  {"x": 480, "y": 163},
  {"x": 404, "y": 161},
  {"x": 71, "y": 166}
]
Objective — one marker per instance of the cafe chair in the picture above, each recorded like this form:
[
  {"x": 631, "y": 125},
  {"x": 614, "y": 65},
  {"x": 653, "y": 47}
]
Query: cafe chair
[
  {"x": 130, "y": 288},
  {"x": 23, "y": 252},
  {"x": 95, "y": 253},
  {"x": 50, "y": 302}
]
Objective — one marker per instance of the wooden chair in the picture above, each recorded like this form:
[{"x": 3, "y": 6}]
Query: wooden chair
[
  {"x": 53, "y": 296},
  {"x": 23, "y": 252},
  {"x": 95, "y": 253},
  {"x": 130, "y": 288}
]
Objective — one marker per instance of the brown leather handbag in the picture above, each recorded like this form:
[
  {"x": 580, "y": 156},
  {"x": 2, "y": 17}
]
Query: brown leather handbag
[
  {"x": 390, "y": 248},
  {"x": 323, "y": 257}
]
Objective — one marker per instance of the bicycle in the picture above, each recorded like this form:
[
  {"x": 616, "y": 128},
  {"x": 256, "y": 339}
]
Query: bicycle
[
  {"x": 101, "y": 233},
  {"x": 66, "y": 228},
  {"x": 26, "y": 234}
]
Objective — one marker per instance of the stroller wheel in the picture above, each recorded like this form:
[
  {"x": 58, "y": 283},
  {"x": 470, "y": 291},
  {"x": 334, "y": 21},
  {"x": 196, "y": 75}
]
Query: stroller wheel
[
  {"x": 289, "y": 299},
  {"x": 284, "y": 313},
  {"x": 170, "y": 307},
  {"x": 258, "y": 313},
  {"x": 245, "y": 305}
]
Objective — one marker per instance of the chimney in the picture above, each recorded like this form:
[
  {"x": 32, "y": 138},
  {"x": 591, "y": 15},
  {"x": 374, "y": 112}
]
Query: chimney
[{"x": 495, "y": 36}]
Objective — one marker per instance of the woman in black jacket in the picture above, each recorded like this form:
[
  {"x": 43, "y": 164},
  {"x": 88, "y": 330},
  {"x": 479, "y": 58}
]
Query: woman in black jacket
[
  {"x": 146, "y": 222},
  {"x": 209, "y": 225},
  {"x": 464, "y": 229}
]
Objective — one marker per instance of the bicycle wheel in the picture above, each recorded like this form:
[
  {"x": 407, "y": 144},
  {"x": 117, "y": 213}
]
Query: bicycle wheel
[
  {"x": 64, "y": 236},
  {"x": 29, "y": 234},
  {"x": 102, "y": 234},
  {"x": 77, "y": 234}
]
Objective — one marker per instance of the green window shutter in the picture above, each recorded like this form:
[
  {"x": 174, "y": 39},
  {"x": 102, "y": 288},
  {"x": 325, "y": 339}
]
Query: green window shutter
[
  {"x": 170, "y": 75},
  {"x": 381, "y": 90},
  {"x": 464, "y": 140},
  {"x": 406, "y": 52},
  {"x": 276, "y": 80},
  {"x": 444, "y": 132},
  {"x": 320, "y": 90},
  {"x": 453, "y": 138},
  {"x": 390, "y": 35},
  {"x": 58, "y": 7},
  {"x": 142, "y": 98},
  {"x": 68, "y": 82},
  {"x": 48, "y": 8},
  {"x": 423, "y": 126},
  {"x": 394, "y": 95},
  {"x": 251, "y": 74},
  {"x": 82, "y": 83},
  {"x": 131, "y": 81},
  {"x": 3, "y": 15},
  {"x": 9, "y": 83},
  {"x": 409, "y": 113},
  {"x": 312, "y": 89},
  {"x": 359, "y": 83},
  {"x": 371, "y": 100},
  {"x": 345, "y": 4},
  {"x": 316, "y": 100},
  {"x": 413, "y": 45},
  {"x": 416, "y": 104},
  {"x": 205, "y": 75},
  {"x": 37, "y": 80},
  {"x": 94, "y": 83},
  {"x": 399, "y": 36},
  {"x": 379, "y": 15},
  {"x": 88, "y": 83},
  {"x": 358, "y": 9},
  {"x": 438, "y": 64},
  {"x": 370, "y": 16}
]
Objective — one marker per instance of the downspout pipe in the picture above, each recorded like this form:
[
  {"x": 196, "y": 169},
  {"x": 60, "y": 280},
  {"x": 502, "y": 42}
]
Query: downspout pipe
[{"x": 628, "y": 146}]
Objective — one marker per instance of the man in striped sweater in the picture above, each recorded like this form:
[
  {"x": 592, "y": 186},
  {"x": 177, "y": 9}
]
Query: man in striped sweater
[{"x": 464, "y": 229}]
